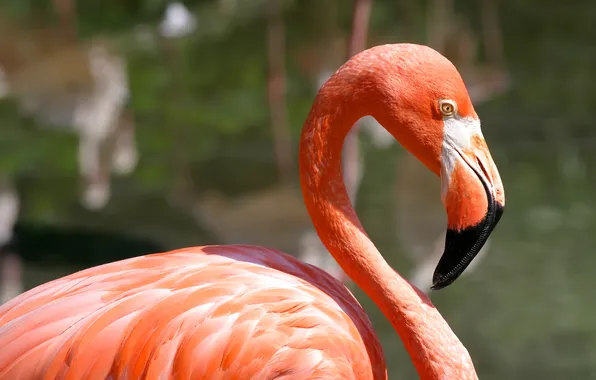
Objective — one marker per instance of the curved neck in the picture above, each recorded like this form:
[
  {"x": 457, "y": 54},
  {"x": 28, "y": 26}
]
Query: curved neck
[{"x": 435, "y": 350}]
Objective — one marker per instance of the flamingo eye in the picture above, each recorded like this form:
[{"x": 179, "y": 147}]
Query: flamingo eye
[{"x": 447, "y": 107}]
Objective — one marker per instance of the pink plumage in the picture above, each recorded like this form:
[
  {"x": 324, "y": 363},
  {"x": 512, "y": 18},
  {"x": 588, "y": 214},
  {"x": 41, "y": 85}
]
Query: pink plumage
[{"x": 247, "y": 312}]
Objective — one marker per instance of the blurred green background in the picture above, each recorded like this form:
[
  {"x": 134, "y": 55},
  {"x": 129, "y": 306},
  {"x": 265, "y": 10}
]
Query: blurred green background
[{"x": 200, "y": 107}]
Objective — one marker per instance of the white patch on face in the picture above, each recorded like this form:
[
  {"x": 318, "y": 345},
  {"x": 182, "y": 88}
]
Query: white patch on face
[{"x": 458, "y": 132}]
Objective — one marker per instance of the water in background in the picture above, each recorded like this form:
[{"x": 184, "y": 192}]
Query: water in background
[{"x": 207, "y": 171}]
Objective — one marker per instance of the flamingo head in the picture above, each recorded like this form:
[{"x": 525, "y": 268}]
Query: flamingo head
[{"x": 431, "y": 114}]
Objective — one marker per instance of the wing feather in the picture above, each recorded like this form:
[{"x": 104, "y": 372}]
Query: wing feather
[{"x": 219, "y": 312}]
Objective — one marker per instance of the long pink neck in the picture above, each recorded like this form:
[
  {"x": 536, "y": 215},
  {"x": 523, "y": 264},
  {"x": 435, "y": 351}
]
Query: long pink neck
[{"x": 435, "y": 350}]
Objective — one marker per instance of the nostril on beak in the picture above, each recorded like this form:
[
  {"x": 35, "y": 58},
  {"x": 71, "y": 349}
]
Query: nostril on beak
[{"x": 484, "y": 171}]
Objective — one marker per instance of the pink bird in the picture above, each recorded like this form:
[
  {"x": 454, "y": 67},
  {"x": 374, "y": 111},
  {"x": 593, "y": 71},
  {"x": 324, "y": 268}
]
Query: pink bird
[{"x": 247, "y": 312}]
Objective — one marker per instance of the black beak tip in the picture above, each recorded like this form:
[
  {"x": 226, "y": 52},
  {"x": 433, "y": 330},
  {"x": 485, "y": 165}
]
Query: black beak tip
[
  {"x": 440, "y": 282},
  {"x": 443, "y": 277},
  {"x": 461, "y": 247}
]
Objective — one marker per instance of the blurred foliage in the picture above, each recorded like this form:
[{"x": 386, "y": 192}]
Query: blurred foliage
[{"x": 527, "y": 312}]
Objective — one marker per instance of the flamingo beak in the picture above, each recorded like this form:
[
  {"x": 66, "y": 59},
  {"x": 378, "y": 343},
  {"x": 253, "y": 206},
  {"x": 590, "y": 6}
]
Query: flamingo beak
[{"x": 473, "y": 195}]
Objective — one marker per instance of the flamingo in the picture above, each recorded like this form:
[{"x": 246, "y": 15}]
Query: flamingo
[{"x": 249, "y": 312}]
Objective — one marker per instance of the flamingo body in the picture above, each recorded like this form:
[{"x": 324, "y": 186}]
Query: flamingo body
[
  {"x": 214, "y": 312},
  {"x": 242, "y": 312}
]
